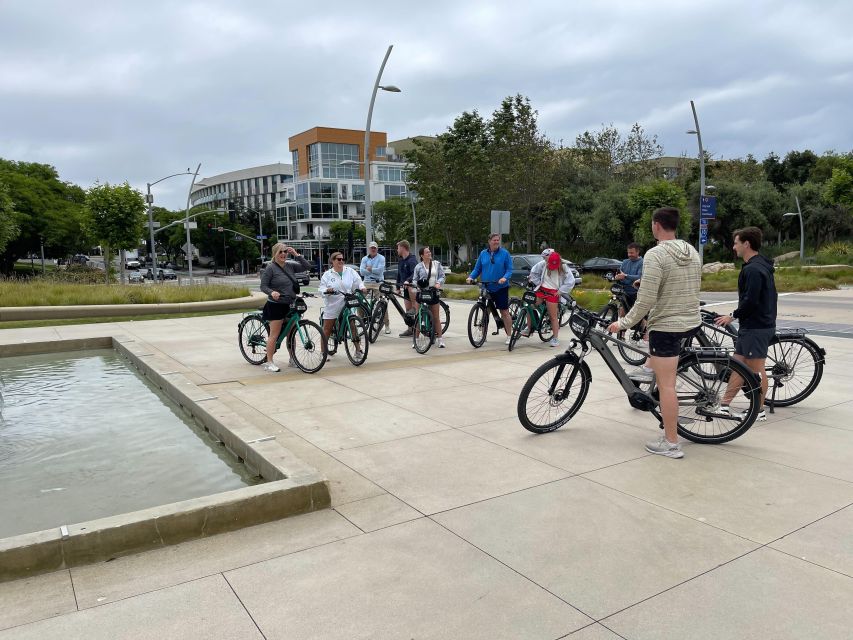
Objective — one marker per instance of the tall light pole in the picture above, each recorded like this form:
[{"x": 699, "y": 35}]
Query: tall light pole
[
  {"x": 698, "y": 135},
  {"x": 414, "y": 219},
  {"x": 152, "y": 254},
  {"x": 368, "y": 222},
  {"x": 187, "y": 225},
  {"x": 799, "y": 214}
]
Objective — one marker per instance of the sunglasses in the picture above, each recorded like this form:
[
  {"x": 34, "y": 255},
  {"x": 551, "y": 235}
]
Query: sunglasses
[{"x": 339, "y": 259}]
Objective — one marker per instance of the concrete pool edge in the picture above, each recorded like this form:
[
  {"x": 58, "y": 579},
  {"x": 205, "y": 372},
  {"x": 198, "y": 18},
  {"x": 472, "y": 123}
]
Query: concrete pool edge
[{"x": 292, "y": 487}]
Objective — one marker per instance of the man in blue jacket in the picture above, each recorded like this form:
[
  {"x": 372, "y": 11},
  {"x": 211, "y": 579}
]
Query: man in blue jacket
[
  {"x": 631, "y": 271},
  {"x": 494, "y": 266}
]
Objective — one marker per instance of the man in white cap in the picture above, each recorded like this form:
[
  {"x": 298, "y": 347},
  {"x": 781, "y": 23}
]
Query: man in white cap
[{"x": 372, "y": 271}]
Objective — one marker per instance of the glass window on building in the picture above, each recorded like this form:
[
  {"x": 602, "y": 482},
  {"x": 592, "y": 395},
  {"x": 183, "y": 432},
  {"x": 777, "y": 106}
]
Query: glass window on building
[
  {"x": 314, "y": 160},
  {"x": 295, "y": 156},
  {"x": 344, "y": 191},
  {"x": 358, "y": 192},
  {"x": 392, "y": 174},
  {"x": 381, "y": 152},
  {"x": 333, "y": 154},
  {"x": 395, "y": 191}
]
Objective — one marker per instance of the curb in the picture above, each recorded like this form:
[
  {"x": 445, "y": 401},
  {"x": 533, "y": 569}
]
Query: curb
[{"x": 254, "y": 301}]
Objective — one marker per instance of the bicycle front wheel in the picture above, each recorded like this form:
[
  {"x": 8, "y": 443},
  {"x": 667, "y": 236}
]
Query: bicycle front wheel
[
  {"x": 252, "y": 334},
  {"x": 424, "y": 331},
  {"x": 553, "y": 394},
  {"x": 305, "y": 344},
  {"x": 701, "y": 416},
  {"x": 634, "y": 339},
  {"x": 478, "y": 325},
  {"x": 355, "y": 341},
  {"x": 377, "y": 320},
  {"x": 794, "y": 369},
  {"x": 565, "y": 315},
  {"x": 546, "y": 331}
]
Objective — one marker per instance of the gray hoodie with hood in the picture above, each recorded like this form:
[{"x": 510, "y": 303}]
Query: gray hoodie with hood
[{"x": 669, "y": 289}]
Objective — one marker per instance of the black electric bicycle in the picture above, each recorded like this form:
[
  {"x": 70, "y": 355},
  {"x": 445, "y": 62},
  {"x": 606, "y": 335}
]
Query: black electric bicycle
[
  {"x": 794, "y": 363},
  {"x": 633, "y": 336},
  {"x": 556, "y": 390},
  {"x": 478, "y": 318},
  {"x": 380, "y": 308}
]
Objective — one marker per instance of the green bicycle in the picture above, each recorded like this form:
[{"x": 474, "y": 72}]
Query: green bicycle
[
  {"x": 533, "y": 316},
  {"x": 304, "y": 338},
  {"x": 351, "y": 329},
  {"x": 423, "y": 329}
]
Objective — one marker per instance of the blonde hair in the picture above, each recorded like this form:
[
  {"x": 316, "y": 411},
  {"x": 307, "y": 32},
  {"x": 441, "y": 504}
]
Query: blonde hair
[
  {"x": 333, "y": 256},
  {"x": 278, "y": 246}
]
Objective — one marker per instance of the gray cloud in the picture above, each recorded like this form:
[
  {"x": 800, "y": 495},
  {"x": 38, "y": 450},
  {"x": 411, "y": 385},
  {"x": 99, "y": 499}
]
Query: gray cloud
[{"x": 136, "y": 91}]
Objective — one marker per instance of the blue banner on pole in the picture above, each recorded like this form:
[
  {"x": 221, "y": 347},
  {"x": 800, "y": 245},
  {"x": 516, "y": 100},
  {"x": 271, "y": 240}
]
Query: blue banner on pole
[
  {"x": 703, "y": 235},
  {"x": 707, "y": 206}
]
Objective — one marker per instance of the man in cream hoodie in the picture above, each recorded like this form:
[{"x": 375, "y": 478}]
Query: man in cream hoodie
[{"x": 672, "y": 275}]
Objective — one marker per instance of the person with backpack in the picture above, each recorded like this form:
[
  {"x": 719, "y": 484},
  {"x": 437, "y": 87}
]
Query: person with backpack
[{"x": 278, "y": 283}]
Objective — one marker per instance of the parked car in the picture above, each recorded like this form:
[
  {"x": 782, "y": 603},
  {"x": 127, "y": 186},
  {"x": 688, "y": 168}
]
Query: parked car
[
  {"x": 132, "y": 263},
  {"x": 135, "y": 277},
  {"x": 80, "y": 258},
  {"x": 522, "y": 263},
  {"x": 601, "y": 265},
  {"x": 162, "y": 274}
]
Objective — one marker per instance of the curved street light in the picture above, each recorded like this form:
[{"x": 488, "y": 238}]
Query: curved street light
[
  {"x": 696, "y": 132},
  {"x": 799, "y": 214},
  {"x": 368, "y": 220},
  {"x": 150, "y": 200}
]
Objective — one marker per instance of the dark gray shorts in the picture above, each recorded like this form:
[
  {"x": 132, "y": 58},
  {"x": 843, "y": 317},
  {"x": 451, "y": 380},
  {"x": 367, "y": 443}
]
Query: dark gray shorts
[{"x": 753, "y": 343}]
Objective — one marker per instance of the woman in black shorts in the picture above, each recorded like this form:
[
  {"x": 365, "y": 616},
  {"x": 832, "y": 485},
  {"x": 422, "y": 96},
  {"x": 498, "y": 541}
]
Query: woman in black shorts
[{"x": 278, "y": 282}]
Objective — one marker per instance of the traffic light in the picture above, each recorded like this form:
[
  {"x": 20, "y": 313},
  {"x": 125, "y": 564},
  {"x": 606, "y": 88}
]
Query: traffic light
[{"x": 209, "y": 228}]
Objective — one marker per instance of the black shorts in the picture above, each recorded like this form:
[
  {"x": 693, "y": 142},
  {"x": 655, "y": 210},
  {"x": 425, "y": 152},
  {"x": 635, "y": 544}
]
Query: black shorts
[
  {"x": 500, "y": 298},
  {"x": 275, "y": 311},
  {"x": 667, "y": 344},
  {"x": 752, "y": 344}
]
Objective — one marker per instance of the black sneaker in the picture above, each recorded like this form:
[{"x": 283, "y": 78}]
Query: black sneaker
[{"x": 406, "y": 334}]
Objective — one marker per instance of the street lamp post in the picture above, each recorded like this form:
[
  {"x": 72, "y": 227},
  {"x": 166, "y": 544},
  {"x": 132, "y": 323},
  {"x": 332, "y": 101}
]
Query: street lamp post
[
  {"x": 799, "y": 214},
  {"x": 368, "y": 226},
  {"x": 149, "y": 198},
  {"x": 187, "y": 224},
  {"x": 414, "y": 220},
  {"x": 698, "y": 135}
]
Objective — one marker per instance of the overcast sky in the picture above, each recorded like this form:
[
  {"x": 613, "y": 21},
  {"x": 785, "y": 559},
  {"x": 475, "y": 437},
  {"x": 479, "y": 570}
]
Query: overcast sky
[{"x": 135, "y": 91}]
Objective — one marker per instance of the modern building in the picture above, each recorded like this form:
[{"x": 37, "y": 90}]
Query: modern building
[
  {"x": 256, "y": 188},
  {"x": 328, "y": 182}
]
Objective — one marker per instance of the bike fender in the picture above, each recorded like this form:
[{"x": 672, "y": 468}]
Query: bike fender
[{"x": 573, "y": 358}]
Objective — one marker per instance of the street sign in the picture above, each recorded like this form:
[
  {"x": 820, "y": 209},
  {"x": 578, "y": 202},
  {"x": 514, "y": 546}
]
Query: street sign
[
  {"x": 261, "y": 237},
  {"x": 500, "y": 222},
  {"x": 707, "y": 206},
  {"x": 191, "y": 225},
  {"x": 703, "y": 223},
  {"x": 155, "y": 225},
  {"x": 703, "y": 236},
  {"x": 220, "y": 229}
]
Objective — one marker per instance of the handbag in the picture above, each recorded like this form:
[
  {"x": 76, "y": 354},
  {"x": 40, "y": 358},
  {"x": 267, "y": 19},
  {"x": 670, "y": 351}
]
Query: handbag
[{"x": 296, "y": 288}]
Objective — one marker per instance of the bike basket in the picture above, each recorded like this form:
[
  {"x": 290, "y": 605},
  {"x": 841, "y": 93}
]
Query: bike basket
[
  {"x": 353, "y": 302},
  {"x": 616, "y": 288},
  {"x": 386, "y": 288},
  {"x": 529, "y": 297},
  {"x": 580, "y": 324},
  {"x": 299, "y": 306},
  {"x": 428, "y": 296}
]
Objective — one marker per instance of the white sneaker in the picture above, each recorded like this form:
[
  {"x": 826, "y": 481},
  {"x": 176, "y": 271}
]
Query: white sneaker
[
  {"x": 507, "y": 341},
  {"x": 270, "y": 366},
  {"x": 554, "y": 342},
  {"x": 641, "y": 374},
  {"x": 441, "y": 343},
  {"x": 387, "y": 330},
  {"x": 292, "y": 363},
  {"x": 664, "y": 447}
]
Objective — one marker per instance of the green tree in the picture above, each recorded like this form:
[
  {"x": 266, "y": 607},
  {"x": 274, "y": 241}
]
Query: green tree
[
  {"x": 340, "y": 229},
  {"x": 118, "y": 214},
  {"x": 46, "y": 210},
  {"x": 394, "y": 218},
  {"x": 838, "y": 190},
  {"x": 644, "y": 199},
  {"x": 8, "y": 227}
]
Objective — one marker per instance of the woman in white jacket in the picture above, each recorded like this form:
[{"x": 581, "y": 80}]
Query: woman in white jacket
[
  {"x": 339, "y": 279},
  {"x": 429, "y": 273},
  {"x": 552, "y": 280}
]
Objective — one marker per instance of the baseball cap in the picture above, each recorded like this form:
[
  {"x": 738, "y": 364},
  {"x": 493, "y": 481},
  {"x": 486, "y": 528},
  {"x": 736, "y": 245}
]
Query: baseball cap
[
  {"x": 547, "y": 253},
  {"x": 554, "y": 261},
  {"x": 373, "y": 245}
]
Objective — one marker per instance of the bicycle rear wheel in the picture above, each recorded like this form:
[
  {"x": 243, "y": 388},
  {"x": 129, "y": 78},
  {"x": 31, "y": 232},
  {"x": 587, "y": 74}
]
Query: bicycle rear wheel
[
  {"x": 305, "y": 344},
  {"x": 252, "y": 334},
  {"x": 444, "y": 315},
  {"x": 519, "y": 323},
  {"x": 553, "y": 394},
  {"x": 634, "y": 338},
  {"x": 700, "y": 416},
  {"x": 424, "y": 331},
  {"x": 355, "y": 341},
  {"x": 546, "y": 331},
  {"x": 565, "y": 315},
  {"x": 377, "y": 320},
  {"x": 609, "y": 312},
  {"x": 478, "y": 325},
  {"x": 794, "y": 368}
]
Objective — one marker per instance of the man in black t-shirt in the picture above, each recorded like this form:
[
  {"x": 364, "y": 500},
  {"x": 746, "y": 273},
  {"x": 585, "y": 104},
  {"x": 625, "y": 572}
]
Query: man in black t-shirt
[{"x": 405, "y": 271}]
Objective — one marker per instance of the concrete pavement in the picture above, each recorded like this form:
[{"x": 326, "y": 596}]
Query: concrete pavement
[{"x": 451, "y": 521}]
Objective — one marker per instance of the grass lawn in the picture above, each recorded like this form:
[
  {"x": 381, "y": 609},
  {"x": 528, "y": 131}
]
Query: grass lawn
[
  {"x": 43, "y": 293},
  {"x": 787, "y": 279}
]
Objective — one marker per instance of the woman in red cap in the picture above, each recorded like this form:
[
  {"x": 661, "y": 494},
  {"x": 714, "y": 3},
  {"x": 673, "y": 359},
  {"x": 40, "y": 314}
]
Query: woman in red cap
[{"x": 552, "y": 280}]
